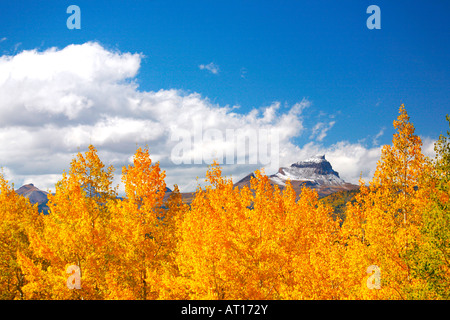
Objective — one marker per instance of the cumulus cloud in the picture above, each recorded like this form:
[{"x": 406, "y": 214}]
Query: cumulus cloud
[
  {"x": 54, "y": 103},
  {"x": 211, "y": 67}
]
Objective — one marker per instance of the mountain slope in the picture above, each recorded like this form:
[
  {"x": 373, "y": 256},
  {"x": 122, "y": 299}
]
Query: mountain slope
[
  {"x": 315, "y": 173},
  {"x": 35, "y": 195},
  {"x": 316, "y": 170}
]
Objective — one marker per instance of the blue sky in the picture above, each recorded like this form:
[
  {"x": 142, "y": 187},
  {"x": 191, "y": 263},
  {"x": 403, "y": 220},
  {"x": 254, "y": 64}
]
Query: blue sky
[{"x": 268, "y": 51}]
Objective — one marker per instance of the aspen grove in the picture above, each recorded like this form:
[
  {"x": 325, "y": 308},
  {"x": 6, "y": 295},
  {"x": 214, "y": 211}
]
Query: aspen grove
[{"x": 232, "y": 243}]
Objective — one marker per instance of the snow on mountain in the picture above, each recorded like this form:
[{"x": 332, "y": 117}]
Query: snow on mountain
[
  {"x": 315, "y": 170},
  {"x": 314, "y": 173}
]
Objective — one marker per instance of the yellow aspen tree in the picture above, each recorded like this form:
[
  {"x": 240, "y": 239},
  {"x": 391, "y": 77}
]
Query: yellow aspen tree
[
  {"x": 260, "y": 239},
  {"x": 174, "y": 213},
  {"x": 169, "y": 283},
  {"x": 383, "y": 225},
  {"x": 74, "y": 233},
  {"x": 220, "y": 255},
  {"x": 311, "y": 243},
  {"x": 257, "y": 243},
  {"x": 357, "y": 257},
  {"x": 202, "y": 251},
  {"x": 17, "y": 217},
  {"x": 142, "y": 231}
]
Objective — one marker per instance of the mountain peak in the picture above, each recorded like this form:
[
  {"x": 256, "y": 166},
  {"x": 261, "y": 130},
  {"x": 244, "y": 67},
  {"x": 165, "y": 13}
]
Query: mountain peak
[
  {"x": 318, "y": 158},
  {"x": 315, "y": 173},
  {"x": 316, "y": 170},
  {"x": 34, "y": 194},
  {"x": 27, "y": 188}
]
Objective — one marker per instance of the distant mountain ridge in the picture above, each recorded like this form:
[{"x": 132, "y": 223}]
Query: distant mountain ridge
[
  {"x": 315, "y": 173},
  {"x": 36, "y": 195}
]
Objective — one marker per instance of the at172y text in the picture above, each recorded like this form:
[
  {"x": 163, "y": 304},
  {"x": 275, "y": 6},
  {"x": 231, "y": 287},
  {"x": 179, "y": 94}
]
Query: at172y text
[{"x": 230, "y": 309}]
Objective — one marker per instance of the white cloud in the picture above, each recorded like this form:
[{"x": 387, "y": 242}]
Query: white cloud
[
  {"x": 375, "y": 140},
  {"x": 54, "y": 103},
  {"x": 428, "y": 147},
  {"x": 211, "y": 67},
  {"x": 319, "y": 131}
]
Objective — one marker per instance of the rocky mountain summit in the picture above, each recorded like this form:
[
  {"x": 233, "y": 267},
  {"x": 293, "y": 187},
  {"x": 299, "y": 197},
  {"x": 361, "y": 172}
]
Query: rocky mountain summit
[
  {"x": 315, "y": 173},
  {"x": 35, "y": 195}
]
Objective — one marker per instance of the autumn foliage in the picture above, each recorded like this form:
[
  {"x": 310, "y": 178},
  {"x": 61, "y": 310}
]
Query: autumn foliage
[{"x": 232, "y": 243}]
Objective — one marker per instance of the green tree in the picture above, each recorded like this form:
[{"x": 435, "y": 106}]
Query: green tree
[{"x": 432, "y": 258}]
